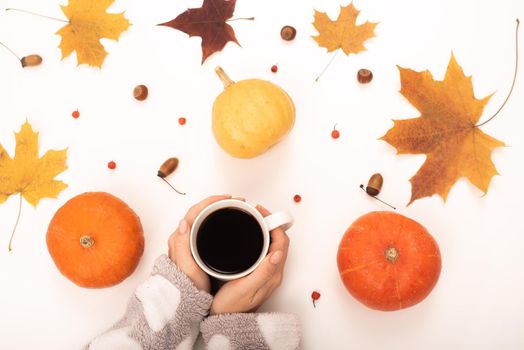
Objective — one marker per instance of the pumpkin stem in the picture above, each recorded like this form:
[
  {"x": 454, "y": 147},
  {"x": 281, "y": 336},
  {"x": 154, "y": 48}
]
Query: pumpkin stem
[
  {"x": 226, "y": 80},
  {"x": 391, "y": 254},
  {"x": 87, "y": 241}
]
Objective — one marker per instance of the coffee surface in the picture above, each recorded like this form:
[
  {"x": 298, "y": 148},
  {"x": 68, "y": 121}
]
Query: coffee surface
[{"x": 229, "y": 241}]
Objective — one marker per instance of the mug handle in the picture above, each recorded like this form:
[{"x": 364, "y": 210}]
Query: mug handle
[{"x": 281, "y": 218}]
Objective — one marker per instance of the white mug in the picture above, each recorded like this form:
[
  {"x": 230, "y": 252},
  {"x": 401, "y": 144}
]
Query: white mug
[{"x": 267, "y": 224}]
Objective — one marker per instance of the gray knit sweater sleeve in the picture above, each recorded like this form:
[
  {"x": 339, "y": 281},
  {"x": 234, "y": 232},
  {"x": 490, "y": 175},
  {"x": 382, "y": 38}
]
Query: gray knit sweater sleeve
[
  {"x": 164, "y": 313},
  {"x": 264, "y": 331}
]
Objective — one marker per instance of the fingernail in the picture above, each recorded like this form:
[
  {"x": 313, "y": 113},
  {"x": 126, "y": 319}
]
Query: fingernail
[
  {"x": 276, "y": 257},
  {"x": 182, "y": 228}
]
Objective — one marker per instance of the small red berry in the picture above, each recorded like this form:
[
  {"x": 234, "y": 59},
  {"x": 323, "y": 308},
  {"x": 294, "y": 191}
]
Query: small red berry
[
  {"x": 274, "y": 68},
  {"x": 297, "y": 198},
  {"x": 111, "y": 165},
  {"x": 182, "y": 121},
  {"x": 76, "y": 114},
  {"x": 335, "y": 133},
  {"x": 315, "y": 296}
]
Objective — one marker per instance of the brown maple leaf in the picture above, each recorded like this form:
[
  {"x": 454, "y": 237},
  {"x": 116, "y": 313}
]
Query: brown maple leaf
[
  {"x": 208, "y": 22},
  {"x": 447, "y": 132}
]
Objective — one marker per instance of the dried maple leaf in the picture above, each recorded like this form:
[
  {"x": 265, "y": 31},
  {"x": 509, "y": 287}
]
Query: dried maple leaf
[
  {"x": 28, "y": 175},
  {"x": 208, "y": 22},
  {"x": 343, "y": 33},
  {"x": 88, "y": 23},
  {"x": 447, "y": 132}
]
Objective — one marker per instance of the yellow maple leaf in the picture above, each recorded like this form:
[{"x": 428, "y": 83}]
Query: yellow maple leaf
[
  {"x": 28, "y": 175},
  {"x": 447, "y": 132},
  {"x": 343, "y": 33},
  {"x": 88, "y": 23}
]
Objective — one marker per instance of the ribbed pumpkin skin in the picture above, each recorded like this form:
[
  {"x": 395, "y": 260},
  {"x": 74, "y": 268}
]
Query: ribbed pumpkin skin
[
  {"x": 250, "y": 116},
  {"x": 118, "y": 240},
  {"x": 380, "y": 283}
]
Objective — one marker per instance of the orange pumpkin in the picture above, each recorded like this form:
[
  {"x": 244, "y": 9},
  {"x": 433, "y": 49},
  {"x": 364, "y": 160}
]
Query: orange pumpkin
[
  {"x": 95, "y": 240},
  {"x": 388, "y": 261}
]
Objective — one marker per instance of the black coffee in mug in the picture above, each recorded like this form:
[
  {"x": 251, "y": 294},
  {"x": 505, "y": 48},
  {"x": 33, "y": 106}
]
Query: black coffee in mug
[{"x": 229, "y": 240}]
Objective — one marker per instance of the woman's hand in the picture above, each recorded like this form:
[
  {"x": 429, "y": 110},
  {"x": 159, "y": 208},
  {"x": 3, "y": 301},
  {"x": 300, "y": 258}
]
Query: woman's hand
[
  {"x": 180, "y": 250},
  {"x": 247, "y": 294}
]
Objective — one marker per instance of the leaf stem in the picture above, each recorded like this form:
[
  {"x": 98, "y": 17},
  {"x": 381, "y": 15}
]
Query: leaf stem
[
  {"x": 242, "y": 18},
  {"x": 4, "y": 45},
  {"x": 177, "y": 191},
  {"x": 16, "y": 223},
  {"x": 37, "y": 14},
  {"x": 514, "y": 76},
  {"x": 329, "y": 64}
]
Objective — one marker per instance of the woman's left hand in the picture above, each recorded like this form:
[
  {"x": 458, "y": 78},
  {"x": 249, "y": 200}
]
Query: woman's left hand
[{"x": 248, "y": 293}]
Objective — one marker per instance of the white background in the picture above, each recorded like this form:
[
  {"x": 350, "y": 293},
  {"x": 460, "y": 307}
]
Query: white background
[{"x": 478, "y": 302}]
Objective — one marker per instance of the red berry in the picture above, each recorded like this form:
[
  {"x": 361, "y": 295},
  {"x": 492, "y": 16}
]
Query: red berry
[
  {"x": 182, "y": 121},
  {"x": 297, "y": 198},
  {"x": 76, "y": 114},
  {"x": 315, "y": 296},
  {"x": 335, "y": 133},
  {"x": 111, "y": 165},
  {"x": 274, "y": 68}
]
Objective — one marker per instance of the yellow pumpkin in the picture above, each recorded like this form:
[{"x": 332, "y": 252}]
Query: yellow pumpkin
[{"x": 250, "y": 116}]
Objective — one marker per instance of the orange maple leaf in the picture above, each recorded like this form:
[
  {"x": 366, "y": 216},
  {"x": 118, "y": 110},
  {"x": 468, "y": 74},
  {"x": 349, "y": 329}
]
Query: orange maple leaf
[
  {"x": 88, "y": 23},
  {"x": 343, "y": 33},
  {"x": 26, "y": 174},
  {"x": 447, "y": 132}
]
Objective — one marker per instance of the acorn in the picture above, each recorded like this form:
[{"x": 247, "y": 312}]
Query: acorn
[
  {"x": 167, "y": 167},
  {"x": 364, "y": 76},
  {"x": 140, "y": 92},
  {"x": 374, "y": 184},
  {"x": 288, "y": 33},
  {"x": 31, "y": 60}
]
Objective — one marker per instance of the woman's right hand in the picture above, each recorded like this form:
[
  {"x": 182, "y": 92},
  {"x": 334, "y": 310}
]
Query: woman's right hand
[
  {"x": 248, "y": 293},
  {"x": 180, "y": 249}
]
